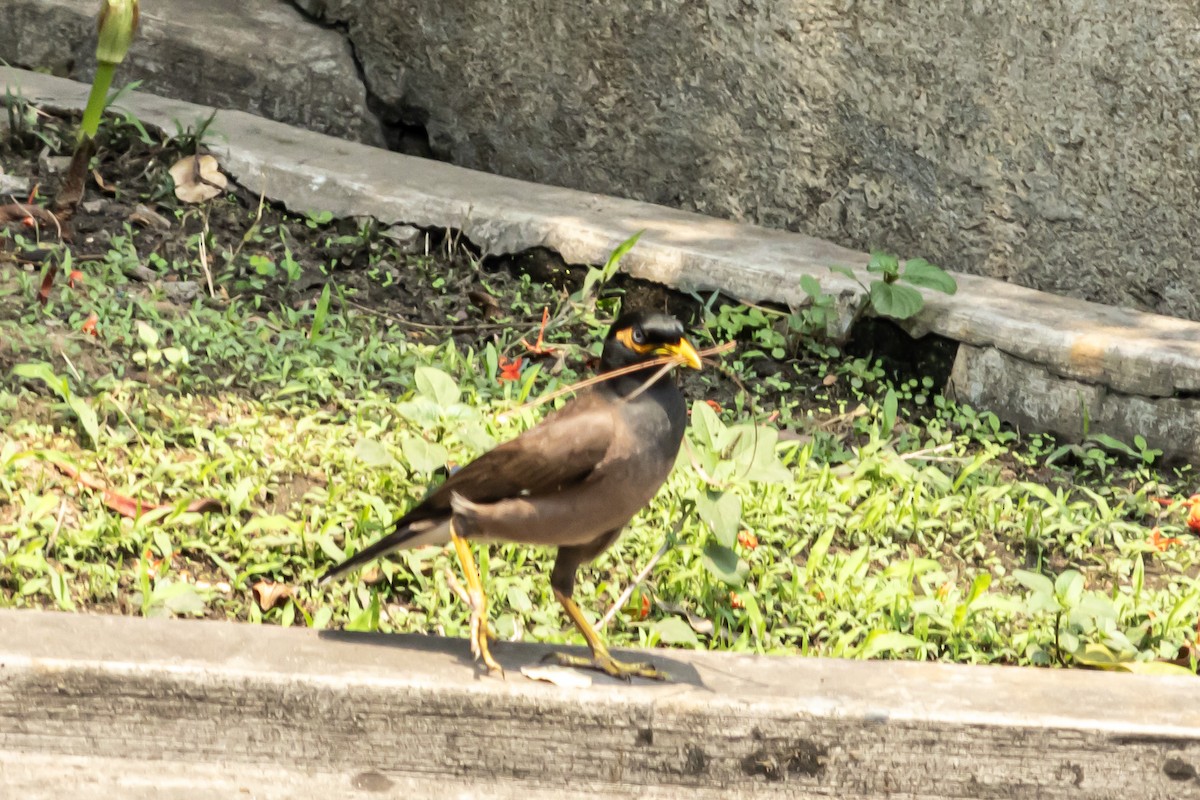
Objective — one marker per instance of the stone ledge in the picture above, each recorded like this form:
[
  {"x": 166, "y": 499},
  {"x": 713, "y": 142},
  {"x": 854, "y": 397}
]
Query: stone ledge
[
  {"x": 1035, "y": 399},
  {"x": 1134, "y": 353},
  {"x": 262, "y": 57},
  {"x": 261, "y": 709}
]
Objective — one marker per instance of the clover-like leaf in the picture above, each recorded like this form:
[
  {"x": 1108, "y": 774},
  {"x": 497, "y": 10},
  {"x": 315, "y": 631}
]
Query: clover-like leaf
[
  {"x": 673, "y": 630},
  {"x": 893, "y": 300},
  {"x": 920, "y": 272},
  {"x": 722, "y": 513},
  {"x": 437, "y": 386},
  {"x": 424, "y": 456},
  {"x": 724, "y": 564}
]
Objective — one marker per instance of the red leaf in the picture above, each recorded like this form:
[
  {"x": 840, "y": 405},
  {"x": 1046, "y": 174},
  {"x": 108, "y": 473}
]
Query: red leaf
[
  {"x": 128, "y": 506},
  {"x": 1160, "y": 542},
  {"x": 75, "y": 277},
  {"x": 509, "y": 370},
  {"x": 89, "y": 325},
  {"x": 47, "y": 284},
  {"x": 539, "y": 347}
]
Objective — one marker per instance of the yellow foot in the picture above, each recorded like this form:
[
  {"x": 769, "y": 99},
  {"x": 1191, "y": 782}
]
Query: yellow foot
[
  {"x": 603, "y": 662},
  {"x": 471, "y": 602},
  {"x": 480, "y": 634}
]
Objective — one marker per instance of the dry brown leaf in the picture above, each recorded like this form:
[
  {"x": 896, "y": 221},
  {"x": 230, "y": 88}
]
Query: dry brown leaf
[
  {"x": 130, "y": 506},
  {"x": 270, "y": 594},
  {"x": 102, "y": 184},
  {"x": 197, "y": 178},
  {"x": 559, "y": 676}
]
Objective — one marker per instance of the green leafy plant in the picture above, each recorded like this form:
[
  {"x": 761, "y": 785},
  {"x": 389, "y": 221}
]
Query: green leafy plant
[
  {"x": 817, "y": 316},
  {"x": 86, "y": 415},
  {"x": 151, "y": 354},
  {"x": 1095, "y": 451},
  {"x": 1087, "y": 624},
  {"x": 117, "y": 26},
  {"x": 888, "y": 295},
  {"x": 118, "y": 23},
  {"x": 729, "y": 460},
  {"x": 597, "y": 277}
]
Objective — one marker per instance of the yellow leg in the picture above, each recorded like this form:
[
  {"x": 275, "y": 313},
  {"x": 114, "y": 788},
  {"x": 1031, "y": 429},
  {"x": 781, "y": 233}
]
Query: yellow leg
[
  {"x": 601, "y": 659},
  {"x": 479, "y": 627}
]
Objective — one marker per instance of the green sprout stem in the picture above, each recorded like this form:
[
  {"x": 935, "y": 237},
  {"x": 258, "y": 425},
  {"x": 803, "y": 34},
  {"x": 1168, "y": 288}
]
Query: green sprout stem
[{"x": 96, "y": 100}]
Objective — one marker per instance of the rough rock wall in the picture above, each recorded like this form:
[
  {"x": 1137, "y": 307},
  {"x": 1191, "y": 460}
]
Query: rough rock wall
[
  {"x": 260, "y": 56},
  {"x": 1049, "y": 142}
]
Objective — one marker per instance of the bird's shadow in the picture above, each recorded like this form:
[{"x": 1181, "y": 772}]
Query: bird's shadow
[{"x": 512, "y": 656}]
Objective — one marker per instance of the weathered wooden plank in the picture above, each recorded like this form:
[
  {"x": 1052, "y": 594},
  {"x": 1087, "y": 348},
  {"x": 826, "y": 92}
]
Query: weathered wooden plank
[{"x": 249, "y": 701}]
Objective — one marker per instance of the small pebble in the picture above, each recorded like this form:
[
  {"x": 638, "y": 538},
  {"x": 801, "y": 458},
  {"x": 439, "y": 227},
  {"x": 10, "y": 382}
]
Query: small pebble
[
  {"x": 181, "y": 291},
  {"x": 13, "y": 185},
  {"x": 407, "y": 239}
]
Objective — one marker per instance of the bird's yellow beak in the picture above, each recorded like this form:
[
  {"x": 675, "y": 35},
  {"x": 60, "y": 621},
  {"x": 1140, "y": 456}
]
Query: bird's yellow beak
[{"x": 682, "y": 351}]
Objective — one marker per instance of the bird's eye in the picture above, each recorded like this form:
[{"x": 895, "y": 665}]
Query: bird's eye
[{"x": 639, "y": 336}]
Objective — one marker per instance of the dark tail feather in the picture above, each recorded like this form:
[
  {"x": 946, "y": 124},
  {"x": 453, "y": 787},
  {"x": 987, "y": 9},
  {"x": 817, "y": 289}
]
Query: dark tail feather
[{"x": 412, "y": 535}]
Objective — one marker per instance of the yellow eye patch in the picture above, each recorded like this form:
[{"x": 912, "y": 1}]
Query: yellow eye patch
[{"x": 625, "y": 337}]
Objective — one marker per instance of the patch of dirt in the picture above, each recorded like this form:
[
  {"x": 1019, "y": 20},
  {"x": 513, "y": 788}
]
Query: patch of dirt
[{"x": 291, "y": 490}]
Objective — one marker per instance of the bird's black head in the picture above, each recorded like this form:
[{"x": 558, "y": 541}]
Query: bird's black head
[{"x": 640, "y": 336}]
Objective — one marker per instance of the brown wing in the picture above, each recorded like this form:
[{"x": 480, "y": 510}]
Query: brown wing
[{"x": 560, "y": 451}]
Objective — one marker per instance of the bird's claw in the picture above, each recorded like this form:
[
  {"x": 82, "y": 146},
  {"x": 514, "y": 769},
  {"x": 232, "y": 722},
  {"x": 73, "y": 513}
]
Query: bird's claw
[
  {"x": 603, "y": 662},
  {"x": 480, "y": 634}
]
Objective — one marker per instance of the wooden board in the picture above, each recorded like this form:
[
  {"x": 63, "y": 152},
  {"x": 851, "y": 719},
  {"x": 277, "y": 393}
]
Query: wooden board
[{"x": 169, "y": 699}]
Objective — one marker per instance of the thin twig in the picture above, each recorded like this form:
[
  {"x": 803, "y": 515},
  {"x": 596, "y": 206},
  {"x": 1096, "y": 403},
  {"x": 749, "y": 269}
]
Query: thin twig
[
  {"x": 653, "y": 379},
  {"x": 18, "y": 211},
  {"x": 58, "y": 523},
  {"x": 262, "y": 197},
  {"x": 457, "y": 588},
  {"x": 607, "y": 376},
  {"x": 927, "y": 452},
  {"x": 704, "y": 476},
  {"x": 204, "y": 254},
  {"x": 120, "y": 408},
  {"x": 641, "y": 576},
  {"x": 71, "y": 367},
  {"x": 455, "y": 238}
]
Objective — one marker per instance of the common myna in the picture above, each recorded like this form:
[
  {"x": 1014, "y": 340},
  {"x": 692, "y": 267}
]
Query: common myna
[{"x": 572, "y": 482}]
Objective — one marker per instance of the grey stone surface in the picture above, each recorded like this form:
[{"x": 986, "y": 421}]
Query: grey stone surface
[
  {"x": 250, "y": 708},
  {"x": 1034, "y": 399},
  {"x": 14, "y": 185},
  {"x": 406, "y": 239},
  {"x": 262, "y": 56},
  {"x": 1125, "y": 351},
  {"x": 1053, "y": 144}
]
